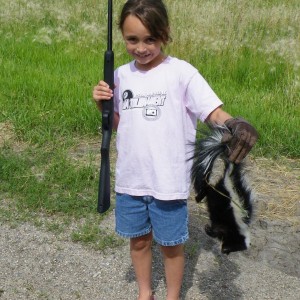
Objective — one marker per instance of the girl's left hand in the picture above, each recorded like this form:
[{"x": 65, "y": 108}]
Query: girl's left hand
[{"x": 240, "y": 140}]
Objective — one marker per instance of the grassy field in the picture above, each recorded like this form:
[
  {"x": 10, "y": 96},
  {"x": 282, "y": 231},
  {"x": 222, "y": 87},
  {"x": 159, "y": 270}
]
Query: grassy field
[{"x": 51, "y": 56}]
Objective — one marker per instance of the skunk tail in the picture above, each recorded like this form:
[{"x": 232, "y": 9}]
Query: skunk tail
[{"x": 207, "y": 150}]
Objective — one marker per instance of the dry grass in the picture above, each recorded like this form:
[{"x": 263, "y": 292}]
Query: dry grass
[
  {"x": 6, "y": 133},
  {"x": 9, "y": 138},
  {"x": 277, "y": 185},
  {"x": 272, "y": 27},
  {"x": 215, "y": 25}
]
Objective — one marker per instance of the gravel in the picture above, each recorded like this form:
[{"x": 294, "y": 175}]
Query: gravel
[{"x": 37, "y": 264}]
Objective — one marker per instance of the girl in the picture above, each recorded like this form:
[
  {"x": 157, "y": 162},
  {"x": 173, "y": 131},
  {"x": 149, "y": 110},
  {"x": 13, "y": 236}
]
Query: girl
[{"x": 158, "y": 99}]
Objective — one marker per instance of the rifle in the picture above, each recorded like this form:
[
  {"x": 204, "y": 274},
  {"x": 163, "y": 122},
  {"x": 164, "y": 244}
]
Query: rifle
[{"x": 107, "y": 121}]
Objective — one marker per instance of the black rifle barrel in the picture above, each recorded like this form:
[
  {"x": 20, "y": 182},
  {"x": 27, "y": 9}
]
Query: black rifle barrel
[{"x": 107, "y": 122}]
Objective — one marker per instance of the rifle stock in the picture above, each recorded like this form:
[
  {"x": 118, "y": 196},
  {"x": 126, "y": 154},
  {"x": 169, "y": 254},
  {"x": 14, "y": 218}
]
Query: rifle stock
[{"x": 107, "y": 122}]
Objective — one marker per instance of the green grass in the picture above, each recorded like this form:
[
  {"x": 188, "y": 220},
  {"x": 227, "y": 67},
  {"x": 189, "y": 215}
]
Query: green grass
[
  {"x": 46, "y": 187},
  {"x": 55, "y": 188},
  {"x": 51, "y": 56},
  {"x": 46, "y": 93},
  {"x": 89, "y": 233}
]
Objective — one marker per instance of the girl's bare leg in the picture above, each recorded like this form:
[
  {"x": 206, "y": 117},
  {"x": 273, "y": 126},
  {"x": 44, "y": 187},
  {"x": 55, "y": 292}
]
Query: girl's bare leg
[
  {"x": 174, "y": 269},
  {"x": 141, "y": 256}
]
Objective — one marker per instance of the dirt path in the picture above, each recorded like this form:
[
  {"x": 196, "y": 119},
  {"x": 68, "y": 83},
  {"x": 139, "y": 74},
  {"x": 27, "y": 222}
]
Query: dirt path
[{"x": 37, "y": 265}]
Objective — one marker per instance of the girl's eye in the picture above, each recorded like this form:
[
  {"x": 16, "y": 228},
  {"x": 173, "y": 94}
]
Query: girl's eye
[
  {"x": 150, "y": 40},
  {"x": 132, "y": 40}
]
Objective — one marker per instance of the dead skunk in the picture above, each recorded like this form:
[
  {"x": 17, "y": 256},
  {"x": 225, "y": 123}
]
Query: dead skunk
[{"x": 229, "y": 200}]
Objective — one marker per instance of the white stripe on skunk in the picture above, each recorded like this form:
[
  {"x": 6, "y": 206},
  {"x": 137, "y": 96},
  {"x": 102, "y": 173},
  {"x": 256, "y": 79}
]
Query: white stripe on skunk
[{"x": 230, "y": 200}]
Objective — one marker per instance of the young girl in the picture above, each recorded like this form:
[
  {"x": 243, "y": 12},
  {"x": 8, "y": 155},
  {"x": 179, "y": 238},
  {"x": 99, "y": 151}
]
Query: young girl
[{"x": 158, "y": 99}]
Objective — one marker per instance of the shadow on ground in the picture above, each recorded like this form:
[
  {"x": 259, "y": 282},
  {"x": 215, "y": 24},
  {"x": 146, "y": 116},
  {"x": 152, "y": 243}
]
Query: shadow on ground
[
  {"x": 274, "y": 243},
  {"x": 215, "y": 278}
]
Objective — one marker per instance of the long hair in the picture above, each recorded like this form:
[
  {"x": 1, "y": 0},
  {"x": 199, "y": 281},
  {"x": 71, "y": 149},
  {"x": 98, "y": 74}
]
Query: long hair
[{"x": 229, "y": 200}]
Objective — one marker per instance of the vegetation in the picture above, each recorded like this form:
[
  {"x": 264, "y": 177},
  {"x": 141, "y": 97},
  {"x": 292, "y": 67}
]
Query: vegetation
[{"x": 51, "y": 56}]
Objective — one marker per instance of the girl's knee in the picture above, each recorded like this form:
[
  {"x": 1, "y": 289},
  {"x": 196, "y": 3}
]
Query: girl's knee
[
  {"x": 141, "y": 243},
  {"x": 173, "y": 251}
]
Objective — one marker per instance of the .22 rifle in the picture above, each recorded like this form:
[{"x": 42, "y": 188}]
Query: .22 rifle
[{"x": 107, "y": 121}]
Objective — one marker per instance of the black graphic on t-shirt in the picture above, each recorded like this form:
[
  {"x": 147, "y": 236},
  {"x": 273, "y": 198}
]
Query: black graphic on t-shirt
[{"x": 150, "y": 103}]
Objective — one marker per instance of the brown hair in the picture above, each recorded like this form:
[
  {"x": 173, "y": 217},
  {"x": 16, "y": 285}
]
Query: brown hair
[{"x": 152, "y": 13}]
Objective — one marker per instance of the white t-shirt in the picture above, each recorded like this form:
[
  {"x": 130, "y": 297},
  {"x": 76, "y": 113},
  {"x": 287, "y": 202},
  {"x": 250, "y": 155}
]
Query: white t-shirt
[{"x": 158, "y": 118}]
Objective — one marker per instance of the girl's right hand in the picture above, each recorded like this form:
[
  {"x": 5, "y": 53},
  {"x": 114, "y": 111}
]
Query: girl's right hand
[{"x": 102, "y": 92}]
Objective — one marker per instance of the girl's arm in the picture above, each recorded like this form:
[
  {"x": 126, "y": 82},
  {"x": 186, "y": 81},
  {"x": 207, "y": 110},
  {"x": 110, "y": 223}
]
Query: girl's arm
[
  {"x": 218, "y": 116},
  {"x": 102, "y": 92}
]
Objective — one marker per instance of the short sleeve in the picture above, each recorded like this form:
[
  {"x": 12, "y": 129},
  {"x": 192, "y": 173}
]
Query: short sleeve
[{"x": 200, "y": 99}]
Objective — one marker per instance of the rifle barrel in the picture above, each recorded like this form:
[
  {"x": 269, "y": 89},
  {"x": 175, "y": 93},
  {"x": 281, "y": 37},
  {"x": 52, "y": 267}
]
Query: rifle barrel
[
  {"x": 107, "y": 122},
  {"x": 109, "y": 25}
]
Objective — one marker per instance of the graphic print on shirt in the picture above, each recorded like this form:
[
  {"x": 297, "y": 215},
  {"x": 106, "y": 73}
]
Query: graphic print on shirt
[{"x": 149, "y": 104}]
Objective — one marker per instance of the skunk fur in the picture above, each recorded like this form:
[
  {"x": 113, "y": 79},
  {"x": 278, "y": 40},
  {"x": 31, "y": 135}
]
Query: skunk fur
[{"x": 230, "y": 200}]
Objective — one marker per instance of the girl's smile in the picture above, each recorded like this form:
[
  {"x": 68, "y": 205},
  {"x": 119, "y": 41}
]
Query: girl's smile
[{"x": 141, "y": 45}]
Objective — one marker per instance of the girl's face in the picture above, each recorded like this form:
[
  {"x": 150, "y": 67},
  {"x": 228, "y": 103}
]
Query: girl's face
[{"x": 141, "y": 45}]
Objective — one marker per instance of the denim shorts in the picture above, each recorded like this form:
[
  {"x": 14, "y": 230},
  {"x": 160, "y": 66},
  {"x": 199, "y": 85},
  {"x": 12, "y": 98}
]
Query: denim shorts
[{"x": 137, "y": 216}]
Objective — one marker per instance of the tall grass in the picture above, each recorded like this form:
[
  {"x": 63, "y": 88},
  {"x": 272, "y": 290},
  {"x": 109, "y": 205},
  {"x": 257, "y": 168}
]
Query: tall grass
[{"x": 51, "y": 56}]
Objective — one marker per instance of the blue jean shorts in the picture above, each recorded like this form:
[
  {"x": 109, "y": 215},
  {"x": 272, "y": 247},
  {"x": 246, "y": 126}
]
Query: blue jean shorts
[{"x": 137, "y": 216}]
